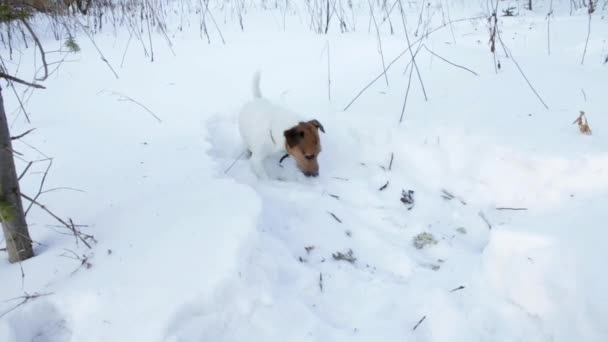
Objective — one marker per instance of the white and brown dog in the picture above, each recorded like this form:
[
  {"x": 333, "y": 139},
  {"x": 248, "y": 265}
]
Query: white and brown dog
[{"x": 268, "y": 129}]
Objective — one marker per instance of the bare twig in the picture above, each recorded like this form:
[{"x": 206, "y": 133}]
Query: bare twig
[
  {"x": 84, "y": 259},
  {"x": 458, "y": 289},
  {"x": 71, "y": 226},
  {"x": 419, "y": 322},
  {"x": 41, "y": 186},
  {"x": 123, "y": 97},
  {"x": 103, "y": 58},
  {"x": 483, "y": 217},
  {"x": 335, "y": 217},
  {"x": 321, "y": 281},
  {"x": 380, "y": 50},
  {"x": 389, "y": 65},
  {"x": 449, "y": 196},
  {"x": 39, "y": 45},
  {"x": 407, "y": 93},
  {"x": 25, "y": 170},
  {"x": 409, "y": 44},
  {"x": 522, "y": 72},
  {"x": 390, "y": 164},
  {"x": 507, "y": 208},
  {"x": 20, "y": 81},
  {"x": 549, "y": 27},
  {"x": 589, "y": 11},
  {"x": 24, "y": 300},
  {"x": 383, "y": 187},
  {"x": 23, "y": 134},
  {"x": 450, "y": 63}
]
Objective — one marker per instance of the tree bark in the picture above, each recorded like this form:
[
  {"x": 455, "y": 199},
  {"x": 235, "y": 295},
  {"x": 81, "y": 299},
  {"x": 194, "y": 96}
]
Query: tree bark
[{"x": 18, "y": 242}]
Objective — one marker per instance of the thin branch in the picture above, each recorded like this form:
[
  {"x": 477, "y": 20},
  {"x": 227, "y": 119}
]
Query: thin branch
[
  {"x": 483, "y": 217},
  {"x": 371, "y": 10},
  {"x": 388, "y": 66},
  {"x": 39, "y": 45},
  {"x": 20, "y": 81},
  {"x": 25, "y": 170},
  {"x": 458, "y": 289},
  {"x": 521, "y": 71},
  {"x": 419, "y": 322},
  {"x": 590, "y": 11},
  {"x": 23, "y": 134},
  {"x": 450, "y": 63},
  {"x": 103, "y": 58},
  {"x": 123, "y": 97},
  {"x": 335, "y": 217},
  {"x": 79, "y": 235},
  {"x": 41, "y": 186},
  {"x": 407, "y": 37},
  {"x": 24, "y": 299}
]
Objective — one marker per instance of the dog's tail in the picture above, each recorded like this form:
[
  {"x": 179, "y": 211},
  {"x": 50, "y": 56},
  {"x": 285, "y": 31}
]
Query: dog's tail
[{"x": 255, "y": 85}]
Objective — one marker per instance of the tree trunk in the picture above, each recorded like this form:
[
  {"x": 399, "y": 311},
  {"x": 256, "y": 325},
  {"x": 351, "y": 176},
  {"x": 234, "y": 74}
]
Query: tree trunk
[{"x": 18, "y": 242}]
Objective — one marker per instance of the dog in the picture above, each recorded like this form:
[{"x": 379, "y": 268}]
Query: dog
[{"x": 268, "y": 129}]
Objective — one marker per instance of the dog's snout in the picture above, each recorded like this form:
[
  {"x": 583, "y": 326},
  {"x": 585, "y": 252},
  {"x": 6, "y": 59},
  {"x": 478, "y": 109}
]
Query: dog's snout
[{"x": 311, "y": 174}]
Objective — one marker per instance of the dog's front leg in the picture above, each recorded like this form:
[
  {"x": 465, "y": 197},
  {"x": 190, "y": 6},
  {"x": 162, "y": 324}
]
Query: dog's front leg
[{"x": 257, "y": 165}]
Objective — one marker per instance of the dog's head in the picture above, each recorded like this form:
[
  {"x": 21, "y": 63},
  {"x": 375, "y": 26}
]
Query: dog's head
[{"x": 303, "y": 144}]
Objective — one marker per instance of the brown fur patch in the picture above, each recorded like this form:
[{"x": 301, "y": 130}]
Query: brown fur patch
[{"x": 304, "y": 145}]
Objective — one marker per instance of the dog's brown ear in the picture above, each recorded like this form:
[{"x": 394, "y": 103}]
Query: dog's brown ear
[
  {"x": 293, "y": 136},
  {"x": 317, "y": 124}
]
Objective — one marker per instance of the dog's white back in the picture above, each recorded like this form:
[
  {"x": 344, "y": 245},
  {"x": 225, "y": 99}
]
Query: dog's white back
[{"x": 261, "y": 125}]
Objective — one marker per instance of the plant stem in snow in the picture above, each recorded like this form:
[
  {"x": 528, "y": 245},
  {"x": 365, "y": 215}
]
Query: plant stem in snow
[
  {"x": 388, "y": 66},
  {"x": 407, "y": 37},
  {"x": 371, "y": 11},
  {"x": 450, "y": 63},
  {"x": 589, "y": 11}
]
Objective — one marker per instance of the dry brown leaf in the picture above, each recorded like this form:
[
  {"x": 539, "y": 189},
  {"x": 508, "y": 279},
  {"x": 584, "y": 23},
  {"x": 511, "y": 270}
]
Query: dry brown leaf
[{"x": 583, "y": 124}]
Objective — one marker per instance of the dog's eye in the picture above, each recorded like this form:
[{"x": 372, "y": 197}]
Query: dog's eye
[{"x": 310, "y": 156}]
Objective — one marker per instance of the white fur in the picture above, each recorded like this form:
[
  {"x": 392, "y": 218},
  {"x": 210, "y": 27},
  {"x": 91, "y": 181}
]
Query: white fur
[{"x": 262, "y": 124}]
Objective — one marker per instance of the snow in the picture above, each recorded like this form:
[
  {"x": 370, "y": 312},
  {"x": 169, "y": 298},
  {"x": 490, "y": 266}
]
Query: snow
[{"x": 187, "y": 251}]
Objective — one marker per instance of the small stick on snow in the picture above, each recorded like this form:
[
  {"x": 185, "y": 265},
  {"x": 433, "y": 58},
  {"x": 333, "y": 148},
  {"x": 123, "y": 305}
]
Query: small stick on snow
[
  {"x": 458, "y": 289},
  {"x": 584, "y": 95},
  {"x": 449, "y": 196},
  {"x": 483, "y": 217},
  {"x": 384, "y": 186},
  {"x": 420, "y": 321},
  {"x": 334, "y": 216},
  {"x": 390, "y": 164},
  {"x": 321, "y": 281},
  {"x": 507, "y": 208}
]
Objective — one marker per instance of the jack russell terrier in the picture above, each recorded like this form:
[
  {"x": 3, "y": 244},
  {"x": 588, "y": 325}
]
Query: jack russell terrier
[{"x": 267, "y": 129}]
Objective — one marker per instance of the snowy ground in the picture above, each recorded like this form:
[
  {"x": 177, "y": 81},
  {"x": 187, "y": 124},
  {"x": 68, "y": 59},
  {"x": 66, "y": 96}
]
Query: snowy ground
[{"x": 187, "y": 252}]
